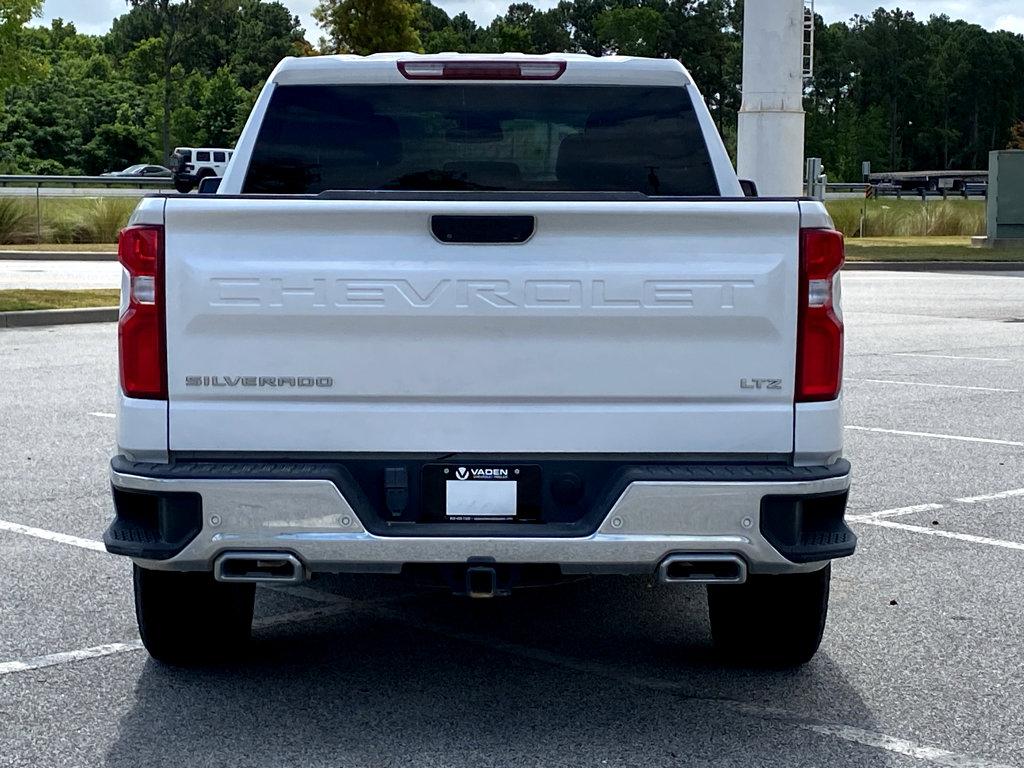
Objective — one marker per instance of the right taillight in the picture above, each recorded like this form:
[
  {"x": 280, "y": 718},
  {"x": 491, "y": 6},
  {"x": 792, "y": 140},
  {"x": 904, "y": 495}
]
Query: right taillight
[
  {"x": 819, "y": 344},
  {"x": 140, "y": 331}
]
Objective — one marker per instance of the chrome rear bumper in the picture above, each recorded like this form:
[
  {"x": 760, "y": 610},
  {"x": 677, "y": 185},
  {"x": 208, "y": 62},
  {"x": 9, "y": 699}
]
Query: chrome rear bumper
[{"x": 312, "y": 520}]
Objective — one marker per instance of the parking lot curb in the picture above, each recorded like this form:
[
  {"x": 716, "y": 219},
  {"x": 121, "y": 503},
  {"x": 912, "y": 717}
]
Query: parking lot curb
[
  {"x": 938, "y": 266},
  {"x": 59, "y": 256},
  {"x": 24, "y": 318}
]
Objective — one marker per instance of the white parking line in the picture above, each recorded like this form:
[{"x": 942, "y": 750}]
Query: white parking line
[
  {"x": 893, "y": 512},
  {"x": 52, "y": 536},
  {"x": 937, "y": 532},
  {"x": 898, "y": 745},
  {"x": 991, "y": 497},
  {"x": 104, "y": 414},
  {"x": 915, "y": 434},
  {"x": 931, "y": 384},
  {"x": 844, "y": 732},
  {"x": 106, "y": 650},
  {"x": 337, "y": 605},
  {"x": 944, "y": 357},
  {"x": 62, "y": 658}
]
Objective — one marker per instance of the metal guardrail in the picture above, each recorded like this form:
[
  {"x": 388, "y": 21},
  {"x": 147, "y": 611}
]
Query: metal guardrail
[
  {"x": 36, "y": 184},
  {"x": 28, "y": 180},
  {"x": 846, "y": 187},
  {"x": 969, "y": 190}
]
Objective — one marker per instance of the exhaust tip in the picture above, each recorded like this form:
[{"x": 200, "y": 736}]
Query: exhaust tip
[
  {"x": 280, "y": 568},
  {"x": 700, "y": 568}
]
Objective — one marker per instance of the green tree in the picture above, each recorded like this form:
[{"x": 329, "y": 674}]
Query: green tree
[
  {"x": 17, "y": 62},
  {"x": 219, "y": 115},
  {"x": 368, "y": 26},
  {"x": 580, "y": 20},
  {"x": 705, "y": 37},
  {"x": 890, "y": 49},
  {"x": 176, "y": 27},
  {"x": 80, "y": 97},
  {"x": 549, "y": 33},
  {"x": 635, "y": 31},
  {"x": 510, "y": 32},
  {"x": 265, "y": 33}
]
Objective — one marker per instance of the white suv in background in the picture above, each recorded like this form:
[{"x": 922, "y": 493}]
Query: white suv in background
[{"x": 193, "y": 164}]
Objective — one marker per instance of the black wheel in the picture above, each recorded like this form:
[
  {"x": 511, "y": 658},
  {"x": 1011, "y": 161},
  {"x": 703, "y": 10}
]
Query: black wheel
[
  {"x": 188, "y": 618},
  {"x": 183, "y": 185},
  {"x": 770, "y": 620}
]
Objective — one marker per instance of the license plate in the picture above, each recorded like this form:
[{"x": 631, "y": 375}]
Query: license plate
[{"x": 481, "y": 492}]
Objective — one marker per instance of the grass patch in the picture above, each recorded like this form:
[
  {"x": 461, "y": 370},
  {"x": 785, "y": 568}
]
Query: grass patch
[
  {"x": 16, "y": 224},
  {"x": 107, "y": 248},
  {"x": 15, "y": 299},
  {"x": 910, "y": 249},
  {"x": 907, "y": 218},
  {"x": 64, "y": 220}
]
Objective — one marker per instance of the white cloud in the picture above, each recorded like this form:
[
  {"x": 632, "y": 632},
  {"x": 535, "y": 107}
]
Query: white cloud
[
  {"x": 90, "y": 16},
  {"x": 1011, "y": 22},
  {"x": 991, "y": 14}
]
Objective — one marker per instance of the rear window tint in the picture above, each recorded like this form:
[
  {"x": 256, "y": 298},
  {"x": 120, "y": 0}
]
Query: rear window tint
[
  {"x": 203, "y": 156},
  {"x": 481, "y": 137},
  {"x": 218, "y": 157}
]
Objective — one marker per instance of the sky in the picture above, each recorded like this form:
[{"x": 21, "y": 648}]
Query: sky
[{"x": 94, "y": 16}]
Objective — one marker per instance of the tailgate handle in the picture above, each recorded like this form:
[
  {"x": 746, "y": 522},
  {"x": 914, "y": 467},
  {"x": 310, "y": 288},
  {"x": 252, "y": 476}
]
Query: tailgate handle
[{"x": 482, "y": 229}]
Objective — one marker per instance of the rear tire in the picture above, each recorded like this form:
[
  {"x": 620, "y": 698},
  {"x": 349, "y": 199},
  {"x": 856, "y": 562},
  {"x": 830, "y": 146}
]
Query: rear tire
[
  {"x": 188, "y": 618},
  {"x": 184, "y": 186},
  {"x": 770, "y": 620}
]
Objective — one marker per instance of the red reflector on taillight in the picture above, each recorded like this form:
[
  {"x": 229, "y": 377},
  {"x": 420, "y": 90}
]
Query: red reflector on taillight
[
  {"x": 819, "y": 345},
  {"x": 140, "y": 331},
  {"x": 481, "y": 70}
]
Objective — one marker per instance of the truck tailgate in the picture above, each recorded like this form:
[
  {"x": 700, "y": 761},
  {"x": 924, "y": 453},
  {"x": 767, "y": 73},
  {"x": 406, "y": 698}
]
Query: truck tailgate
[{"x": 317, "y": 325}]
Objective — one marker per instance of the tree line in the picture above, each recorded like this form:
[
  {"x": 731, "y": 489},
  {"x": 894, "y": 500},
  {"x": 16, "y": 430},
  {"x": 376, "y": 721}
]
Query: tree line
[{"x": 889, "y": 88}]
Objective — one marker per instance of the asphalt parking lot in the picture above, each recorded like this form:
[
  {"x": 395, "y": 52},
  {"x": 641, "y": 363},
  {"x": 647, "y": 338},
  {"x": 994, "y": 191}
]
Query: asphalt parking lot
[{"x": 922, "y": 660}]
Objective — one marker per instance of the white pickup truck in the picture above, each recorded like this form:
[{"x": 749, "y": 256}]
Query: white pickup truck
[{"x": 485, "y": 321}]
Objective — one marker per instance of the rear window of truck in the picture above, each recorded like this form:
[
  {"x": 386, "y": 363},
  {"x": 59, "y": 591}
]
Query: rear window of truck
[{"x": 481, "y": 137}]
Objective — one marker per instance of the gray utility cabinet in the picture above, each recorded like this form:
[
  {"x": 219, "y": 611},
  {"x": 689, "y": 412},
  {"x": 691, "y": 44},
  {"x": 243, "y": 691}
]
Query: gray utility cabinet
[{"x": 1006, "y": 197}]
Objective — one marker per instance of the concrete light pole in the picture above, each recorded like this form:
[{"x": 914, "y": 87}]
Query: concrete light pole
[{"x": 770, "y": 141}]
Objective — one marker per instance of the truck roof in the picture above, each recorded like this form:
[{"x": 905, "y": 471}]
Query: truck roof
[{"x": 581, "y": 69}]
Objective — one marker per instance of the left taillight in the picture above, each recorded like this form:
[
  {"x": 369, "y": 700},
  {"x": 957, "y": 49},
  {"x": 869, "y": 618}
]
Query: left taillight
[
  {"x": 819, "y": 346},
  {"x": 140, "y": 331}
]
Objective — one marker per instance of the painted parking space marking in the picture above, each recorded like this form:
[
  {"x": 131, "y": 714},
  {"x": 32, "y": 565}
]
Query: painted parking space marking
[
  {"x": 333, "y": 605},
  {"x": 52, "y": 536},
  {"x": 932, "y": 384},
  {"x": 991, "y": 497},
  {"x": 945, "y": 357},
  {"x": 892, "y": 744},
  {"x": 337, "y": 604},
  {"x": 845, "y": 732},
  {"x": 896, "y": 511},
  {"x": 103, "y": 414},
  {"x": 944, "y": 436},
  {"x": 63, "y": 658},
  {"x": 107, "y": 650},
  {"x": 974, "y": 538}
]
